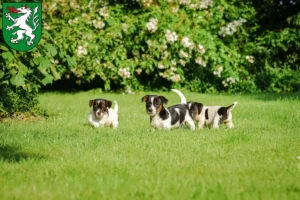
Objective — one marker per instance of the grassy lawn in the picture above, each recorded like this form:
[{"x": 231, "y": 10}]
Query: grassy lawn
[{"x": 65, "y": 158}]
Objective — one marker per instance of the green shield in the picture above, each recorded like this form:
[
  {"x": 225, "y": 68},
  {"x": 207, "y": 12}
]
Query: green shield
[{"x": 22, "y": 24}]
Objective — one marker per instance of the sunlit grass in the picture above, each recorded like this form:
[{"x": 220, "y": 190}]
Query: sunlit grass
[{"x": 63, "y": 157}]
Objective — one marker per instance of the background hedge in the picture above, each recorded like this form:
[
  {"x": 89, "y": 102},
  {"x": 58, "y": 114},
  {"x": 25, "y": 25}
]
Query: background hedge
[{"x": 203, "y": 45}]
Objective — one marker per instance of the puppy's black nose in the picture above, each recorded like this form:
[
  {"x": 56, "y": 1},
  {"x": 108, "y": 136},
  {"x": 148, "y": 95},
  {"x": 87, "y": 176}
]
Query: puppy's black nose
[{"x": 150, "y": 110}]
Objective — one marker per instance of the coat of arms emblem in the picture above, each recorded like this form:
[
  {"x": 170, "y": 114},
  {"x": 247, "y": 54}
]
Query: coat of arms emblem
[{"x": 22, "y": 25}]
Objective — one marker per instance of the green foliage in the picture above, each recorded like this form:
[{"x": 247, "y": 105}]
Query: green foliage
[
  {"x": 278, "y": 66},
  {"x": 23, "y": 73},
  {"x": 279, "y": 80},
  {"x": 16, "y": 100},
  {"x": 207, "y": 46},
  {"x": 32, "y": 69},
  {"x": 164, "y": 43}
]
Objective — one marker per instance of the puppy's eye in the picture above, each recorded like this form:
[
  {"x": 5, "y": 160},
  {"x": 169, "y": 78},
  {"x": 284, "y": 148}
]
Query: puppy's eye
[{"x": 155, "y": 102}]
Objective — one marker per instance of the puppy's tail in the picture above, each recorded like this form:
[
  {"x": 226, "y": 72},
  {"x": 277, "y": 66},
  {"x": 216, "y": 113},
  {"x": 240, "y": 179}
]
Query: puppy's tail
[
  {"x": 231, "y": 107},
  {"x": 182, "y": 98},
  {"x": 116, "y": 108}
]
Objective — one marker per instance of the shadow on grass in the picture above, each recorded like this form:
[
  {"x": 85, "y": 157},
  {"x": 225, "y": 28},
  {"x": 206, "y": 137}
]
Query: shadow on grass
[{"x": 13, "y": 154}]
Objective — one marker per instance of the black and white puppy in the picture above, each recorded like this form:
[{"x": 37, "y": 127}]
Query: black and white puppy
[
  {"x": 167, "y": 118},
  {"x": 102, "y": 114},
  {"x": 211, "y": 115}
]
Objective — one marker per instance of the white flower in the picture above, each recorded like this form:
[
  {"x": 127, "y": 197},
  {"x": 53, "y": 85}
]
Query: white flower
[
  {"x": 125, "y": 27},
  {"x": 104, "y": 12},
  {"x": 74, "y": 4},
  {"x": 193, "y": 6},
  {"x": 46, "y": 26},
  {"x": 231, "y": 28},
  {"x": 98, "y": 24},
  {"x": 75, "y": 21},
  {"x": 53, "y": 7},
  {"x": 164, "y": 47},
  {"x": 173, "y": 62},
  {"x": 164, "y": 75},
  {"x": 184, "y": 2},
  {"x": 165, "y": 55},
  {"x": 183, "y": 54},
  {"x": 224, "y": 83},
  {"x": 230, "y": 80},
  {"x": 171, "y": 72},
  {"x": 149, "y": 43},
  {"x": 54, "y": 61},
  {"x": 205, "y": 3},
  {"x": 182, "y": 62},
  {"x": 242, "y": 20},
  {"x": 175, "y": 78},
  {"x": 174, "y": 9},
  {"x": 250, "y": 59},
  {"x": 152, "y": 25},
  {"x": 219, "y": 71},
  {"x": 201, "y": 49},
  {"x": 174, "y": 69},
  {"x": 124, "y": 72},
  {"x": 200, "y": 61},
  {"x": 81, "y": 50},
  {"x": 139, "y": 71},
  {"x": 160, "y": 66},
  {"x": 185, "y": 41},
  {"x": 171, "y": 36},
  {"x": 147, "y": 3},
  {"x": 202, "y": 5}
]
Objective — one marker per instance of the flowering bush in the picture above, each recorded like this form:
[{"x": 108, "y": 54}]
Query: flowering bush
[
  {"x": 167, "y": 43},
  {"x": 204, "y": 45}
]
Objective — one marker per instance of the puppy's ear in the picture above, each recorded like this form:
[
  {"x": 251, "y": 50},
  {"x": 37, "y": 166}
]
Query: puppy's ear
[
  {"x": 91, "y": 102},
  {"x": 199, "y": 107},
  {"x": 145, "y": 98},
  {"x": 108, "y": 103},
  {"x": 164, "y": 100}
]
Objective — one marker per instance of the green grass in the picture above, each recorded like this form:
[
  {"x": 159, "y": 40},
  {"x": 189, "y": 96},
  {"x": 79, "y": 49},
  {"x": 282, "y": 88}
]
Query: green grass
[{"x": 65, "y": 158}]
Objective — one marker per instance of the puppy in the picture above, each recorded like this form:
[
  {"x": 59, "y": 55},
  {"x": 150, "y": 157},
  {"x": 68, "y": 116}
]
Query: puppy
[
  {"x": 167, "y": 118},
  {"x": 211, "y": 115},
  {"x": 102, "y": 114}
]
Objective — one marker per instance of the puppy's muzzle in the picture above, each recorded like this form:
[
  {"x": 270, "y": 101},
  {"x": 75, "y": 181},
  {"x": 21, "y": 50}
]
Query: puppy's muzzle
[
  {"x": 99, "y": 113},
  {"x": 150, "y": 111}
]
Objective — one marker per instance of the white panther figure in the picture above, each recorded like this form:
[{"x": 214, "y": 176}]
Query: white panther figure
[{"x": 21, "y": 23}]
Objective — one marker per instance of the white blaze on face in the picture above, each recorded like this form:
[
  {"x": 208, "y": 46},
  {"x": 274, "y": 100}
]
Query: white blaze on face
[
  {"x": 151, "y": 110},
  {"x": 99, "y": 114}
]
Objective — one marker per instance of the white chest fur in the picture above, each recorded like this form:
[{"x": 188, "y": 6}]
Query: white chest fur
[
  {"x": 159, "y": 123},
  {"x": 108, "y": 119}
]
